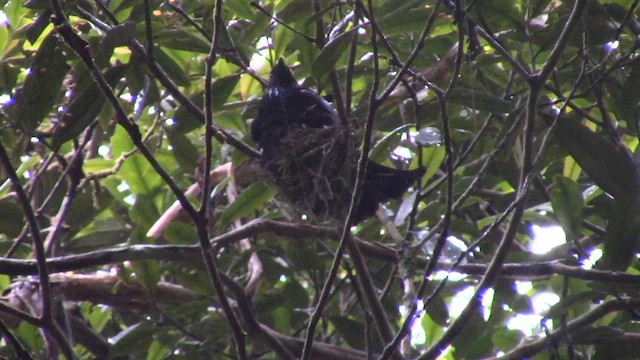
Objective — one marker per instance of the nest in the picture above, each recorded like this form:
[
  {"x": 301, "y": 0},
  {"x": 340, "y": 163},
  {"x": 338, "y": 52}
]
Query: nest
[{"x": 314, "y": 170}]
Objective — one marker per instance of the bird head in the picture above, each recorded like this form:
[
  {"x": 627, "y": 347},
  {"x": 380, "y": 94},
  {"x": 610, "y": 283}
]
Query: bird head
[{"x": 281, "y": 76}]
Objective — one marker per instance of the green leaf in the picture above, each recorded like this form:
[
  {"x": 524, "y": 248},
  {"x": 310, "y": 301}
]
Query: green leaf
[
  {"x": 98, "y": 316},
  {"x": 480, "y": 101},
  {"x": 84, "y": 108},
  {"x": 629, "y": 98},
  {"x": 611, "y": 166},
  {"x": 622, "y": 236},
  {"x": 567, "y": 203},
  {"x": 180, "y": 233},
  {"x": 432, "y": 157},
  {"x": 43, "y": 83},
  {"x": 120, "y": 35},
  {"x": 402, "y": 17},
  {"x": 222, "y": 88},
  {"x": 249, "y": 201},
  {"x": 351, "y": 330},
  {"x": 186, "y": 121},
  {"x": 571, "y": 169},
  {"x": 171, "y": 67},
  {"x": 569, "y": 302},
  {"x": 331, "y": 53},
  {"x": 505, "y": 339},
  {"x": 438, "y": 311},
  {"x": 11, "y": 218},
  {"x": 133, "y": 339},
  {"x": 381, "y": 150},
  {"x": 241, "y": 8},
  {"x": 181, "y": 39},
  {"x": 185, "y": 153},
  {"x": 158, "y": 350}
]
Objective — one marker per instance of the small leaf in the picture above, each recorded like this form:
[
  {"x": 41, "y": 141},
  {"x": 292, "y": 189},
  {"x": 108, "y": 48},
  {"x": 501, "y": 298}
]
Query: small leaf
[
  {"x": 629, "y": 100},
  {"x": 100, "y": 237},
  {"x": 251, "y": 200},
  {"x": 180, "y": 233},
  {"x": 571, "y": 169},
  {"x": 505, "y": 339},
  {"x": 432, "y": 157},
  {"x": 185, "y": 153},
  {"x": 132, "y": 339},
  {"x": 622, "y": 236},
  {"x": 352, "y": 331},
  {"x": 402, "y": 17},
  {"x": 120, "y": 35},
  {"x": 382, "y": 148},
  {"x": 181, "y": 39},
  {"x": 173, "y": 69},
  {"x": 84, "y": 108},
  {"x": 567, "y": 204},
  {"x": 331, "y": 52},
  {"x": 222, "y": 88},
  {"x": 10, "y": 217},
  {"x": 611, "y": 166},
  {"x": 42, "y": 84},
  {"x": 569, "y": 302},
  {"x": 184, "y": 120},
  {"x": 139, "y": 174},
  {"x": 438, "y": 311},
  {"x": 480, "y": 101}
]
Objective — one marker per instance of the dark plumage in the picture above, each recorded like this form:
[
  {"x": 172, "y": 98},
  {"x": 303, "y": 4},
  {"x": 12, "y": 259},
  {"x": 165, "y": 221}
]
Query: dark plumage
[{"x": 312, "y": 158}]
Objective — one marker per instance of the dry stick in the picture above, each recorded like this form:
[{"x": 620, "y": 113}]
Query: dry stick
[
  {"x": 346, "y": 241},
  {"x": 254, "y": 265},
  {"x": 81, "y": 47},
  {"x": 353, "y": 47},
  {"x": 19, "y": 314},
  {"x": 333, "y": 75},
  {"x": 414, "y": 54},
  {"x": 235, "y": 59},
  {"x": 495, "y": 44},
  {"x": 14, "y": 342},
  {"x": 275, "y": 18},
  {"x": 186, "y": 253},
  {"x": 536, "y": 83},
  {"x": 45, "y": 203},
  {"x": 201, "y": 221},
  {"x": 462, "y": 197},
  {"x": 74, "y": 171},
  {"x": 440, "y": 243},
  {"x": 159, "y": 73},
  {"x": 254, "y": 328},
  {"x": 47, "y": 321},
  {"x": 175, "y": 210}
]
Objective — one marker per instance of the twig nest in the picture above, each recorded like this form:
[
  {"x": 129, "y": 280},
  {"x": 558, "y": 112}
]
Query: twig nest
[{"x": 314, "y": 168}]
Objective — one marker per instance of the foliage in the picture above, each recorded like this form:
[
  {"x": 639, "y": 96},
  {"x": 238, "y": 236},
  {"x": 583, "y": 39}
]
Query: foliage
[{"x": 525, "y": 113}]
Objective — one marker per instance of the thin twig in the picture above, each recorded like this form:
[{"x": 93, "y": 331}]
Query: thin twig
[
  {"x": 14, "y": 342},
  {"x": 346, "y": 241},
  {"x": 48, "y": 322},
  {"x": 202, "y": 219},
  {"x": 535, "y": 87}
]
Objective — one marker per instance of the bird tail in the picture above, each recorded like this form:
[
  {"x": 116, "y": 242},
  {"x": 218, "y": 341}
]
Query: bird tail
[{"x": 381, "y": 184}]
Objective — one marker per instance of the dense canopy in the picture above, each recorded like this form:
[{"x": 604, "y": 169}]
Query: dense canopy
[{"x": 135, "y": 220}]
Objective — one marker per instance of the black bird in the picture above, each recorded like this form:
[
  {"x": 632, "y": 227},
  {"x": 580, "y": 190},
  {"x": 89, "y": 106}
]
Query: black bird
[{"x": 312, "y": 157}]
